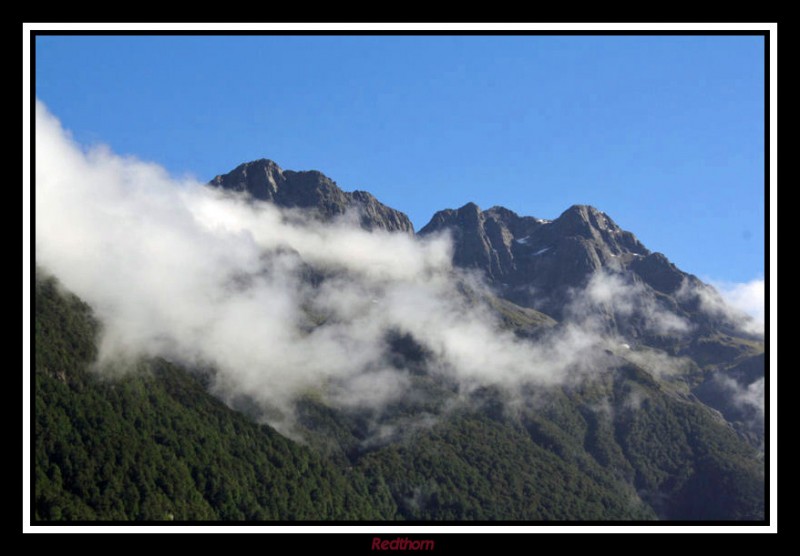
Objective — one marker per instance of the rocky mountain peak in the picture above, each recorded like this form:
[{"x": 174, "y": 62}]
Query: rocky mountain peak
[
  {"x": 502, "y": 213},
  {"x": 470, "y": 215},
  {"x": 264, "y": 180},
  {"x": 260, "y": 178},
  {"x": 585, "y": 221},
  {"x": 584, "y": 217},
  {"x": 533, "y": 262},
  {"x": 523, "y": 254}
]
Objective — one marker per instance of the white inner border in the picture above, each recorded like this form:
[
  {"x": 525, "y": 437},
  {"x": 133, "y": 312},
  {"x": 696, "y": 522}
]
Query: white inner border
[{"x": 423, "y": 27}]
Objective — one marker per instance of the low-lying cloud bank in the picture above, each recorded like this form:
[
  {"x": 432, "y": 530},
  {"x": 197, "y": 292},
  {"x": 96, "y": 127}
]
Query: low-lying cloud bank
[
  {"x": 278, "y": 303},
  {"x": 745, "y": 395},
  {"x": 740, "y": 305},
  {"x": 747, "y": 297}
]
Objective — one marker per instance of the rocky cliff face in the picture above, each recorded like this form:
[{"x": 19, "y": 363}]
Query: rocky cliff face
[
  {"x": 540, "y": 263},
  {"x": 516, "y": 250},
  {"x": 534, "y": 263},
  {"x": 264, "y": 180}
]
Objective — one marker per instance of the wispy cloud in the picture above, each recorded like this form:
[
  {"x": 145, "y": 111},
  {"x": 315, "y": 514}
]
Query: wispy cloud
[
  {"x": 182, "y": 271},
  {"x": 179, "y": 270},
  {"x": 745, "y": 395},
  {"x": 747, "y": 297},
  {"x": 616, "y": 296},
  {"x": 740, "y": 304}
]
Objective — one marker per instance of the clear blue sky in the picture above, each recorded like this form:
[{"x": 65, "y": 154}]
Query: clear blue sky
[{"x": 665, "y": 134}]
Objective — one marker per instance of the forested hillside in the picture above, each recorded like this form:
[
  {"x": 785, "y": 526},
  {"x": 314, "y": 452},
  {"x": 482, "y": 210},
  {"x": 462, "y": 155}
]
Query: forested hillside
[{"x": 153, "y": 444}]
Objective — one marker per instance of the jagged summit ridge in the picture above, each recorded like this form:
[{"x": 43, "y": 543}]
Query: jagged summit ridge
[
  {"x": 264, "y": 180},
  {"x": 533, "y": 262},
  {"x": 504, "y": 244},
  {"x": 536, "y": 263}
]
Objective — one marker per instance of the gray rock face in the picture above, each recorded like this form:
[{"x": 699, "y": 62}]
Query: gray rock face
[
  {"x": 264, "y": 180},
  {"x": 518, "y": 250},
  {"x": 536, "y": 263}
]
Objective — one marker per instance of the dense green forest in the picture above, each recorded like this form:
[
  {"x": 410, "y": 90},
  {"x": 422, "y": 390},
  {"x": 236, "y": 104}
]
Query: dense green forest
[{"x": 153, "y": 444}]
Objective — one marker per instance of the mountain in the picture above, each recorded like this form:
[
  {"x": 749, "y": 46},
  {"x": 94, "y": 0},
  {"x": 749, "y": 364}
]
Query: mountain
[
  {"x": 153, "y": 444},
  {"x": 264, "y": 180},
  {"x": 529, "y": 257},
  {"x": 658, "y": 420},
  {"x": 523, "y": 250},
  {"x": 540, "y": 264}
]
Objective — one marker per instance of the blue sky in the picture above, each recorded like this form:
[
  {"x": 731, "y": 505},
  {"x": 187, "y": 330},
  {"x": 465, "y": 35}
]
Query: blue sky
[{"x": 665, "y": 134}]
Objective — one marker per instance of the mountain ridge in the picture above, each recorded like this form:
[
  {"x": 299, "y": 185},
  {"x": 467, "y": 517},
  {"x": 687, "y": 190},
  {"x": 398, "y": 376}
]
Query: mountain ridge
[
  {"x": 582, "y": 411},
  {"x": 493, "y": 240},
  {"x": 264, "y": 180},
  {"x": 553, "y": 266},
  {"x": 155, "y": 446},
  {"x": 532, "y": 262}
]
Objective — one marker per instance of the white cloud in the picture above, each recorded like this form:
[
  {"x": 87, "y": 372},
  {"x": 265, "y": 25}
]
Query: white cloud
[
  {"x": 741, "y": 304},
  {"x": 747, "y": 297},
  {"x": 614, "y": 295},
  {"x": 182, "y": 271},
  {"x": 745, "y": 395}
]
